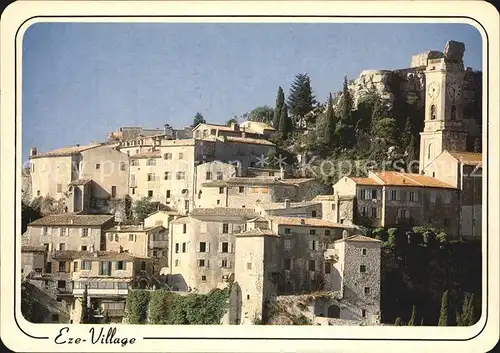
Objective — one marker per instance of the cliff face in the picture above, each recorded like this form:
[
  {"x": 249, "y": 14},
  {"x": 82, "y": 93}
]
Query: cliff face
[{"x": 26, "y": 193}]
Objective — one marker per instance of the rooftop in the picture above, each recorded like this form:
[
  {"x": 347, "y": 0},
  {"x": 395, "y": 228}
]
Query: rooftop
[
  {"x": 281, "y": 205},
  {"x": 468, "y": 158},
  {"x": 307, "y": 222},
  {"x": 359, "y": 238},
  {"x": 402, "y": 179},
  {"x": 256, "y": 181},
  {"x": 224, "y": 211},
  {"x": 147, "y": 154},
  {"x": 71, "y": 219},
  {"x": 256, "y": 232},
  {"x": 133, "y": 228},
  {"x": 80, "y": 181},
  {"x": 32, "y": 248},
  {"x": 66, "y": 151}
]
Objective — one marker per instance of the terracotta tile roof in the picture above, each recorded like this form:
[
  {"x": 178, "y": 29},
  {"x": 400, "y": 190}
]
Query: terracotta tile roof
[
  {"x": 281, "y": 205},
  {"x": 71, "y": 219},
  {"x": 468, "y": 158},
  {"x": 296, "y": 181},
  {"x": 167, "y": 212},
  {"x": 33, "y": 248},
  {"x": 324, "y": 198},
  {"x": 256, "y": 232},
  {"x": 365, "y": 181},
  {"x": 308, "y": 222},
  {"x": 147, "y": 154},
  {"x": 182, "y": 220},
  {"x": 410, "y": 179},
  {"x": 249, "y": 140},
  {"x": 132, "y": 228},
  {"x": 66, "y": 151},
  {"x": 68, "y": 254},
  {"x": 258, "y": 219},
  {"x": 262, "y": 125},
  {"x": 224, "y": 211},
  {"x": 402, "y": 179},
  {"x": 109, "y": 255},
  {"x": 361, "y": 238},
  {"x": 80, "y": 181},
  {"x": 255, "y": 181},
  {"x": 213, "y": 126}
]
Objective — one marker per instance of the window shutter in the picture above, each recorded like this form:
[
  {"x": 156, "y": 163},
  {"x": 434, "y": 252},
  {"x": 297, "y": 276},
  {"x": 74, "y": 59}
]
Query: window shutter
[
  {"x": 198, "y": 247},
  {"x": 311, "y": 244},
  {"x": 228, "y": 264},
  {"x": 81, "y": 232},
  {"x": 229, "y": 247},
  {"x": 67, "y": 266},
  {"x": 220, "y": 246},
  {"x": 208, "y": 263},
  {"x": 208, "y": 247},
  {"x": 67, "y": 232}
]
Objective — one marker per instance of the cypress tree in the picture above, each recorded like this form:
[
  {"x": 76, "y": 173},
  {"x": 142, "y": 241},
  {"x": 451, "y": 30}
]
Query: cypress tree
[
  {"x": 346, "y": 104},
  {"x": 280, "y": 100},
  {"x": 398, "y": 321},
  {"x": 285, "y": 127},
  {"x": 301, "y": 99},
  {"x": 411, "y": 157},
  {"x": 412, "y": 318},
  {"x": 85, "y": 310},
  {"x": 443, "y": 317},
  {"x": 198, "y": 119},
  {"x": 328, "y": 130}
]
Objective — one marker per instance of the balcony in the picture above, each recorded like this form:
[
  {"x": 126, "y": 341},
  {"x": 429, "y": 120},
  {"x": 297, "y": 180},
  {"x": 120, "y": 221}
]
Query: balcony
[
  {"x": 102, "y": 287},
  {"x": 158, "y": 244},
  {"x": 114, "y": 312}
]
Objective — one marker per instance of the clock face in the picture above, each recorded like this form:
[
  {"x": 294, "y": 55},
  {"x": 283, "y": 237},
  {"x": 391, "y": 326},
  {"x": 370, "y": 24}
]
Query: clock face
[
  {"x": 454, "y": 90},
  {"x": 433, "y": 90}
]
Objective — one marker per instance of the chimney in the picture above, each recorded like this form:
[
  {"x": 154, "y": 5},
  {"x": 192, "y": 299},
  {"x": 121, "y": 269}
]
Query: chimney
[
  {"x": 287, "y": 204},
  {"x": 141, "y": 226},
  {"x": 121, "y": 248},
  {"x": 344, "y": 234},
  {"x": 33, "y": 151}
]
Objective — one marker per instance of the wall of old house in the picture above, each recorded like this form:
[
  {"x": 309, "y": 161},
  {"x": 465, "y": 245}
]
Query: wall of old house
[
  {"x": 49, "y": 172},
  {"x": 307, "y": 211},
  {"x": 73, "y": 239}
]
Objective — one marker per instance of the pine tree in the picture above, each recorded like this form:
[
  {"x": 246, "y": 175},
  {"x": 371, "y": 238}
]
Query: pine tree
[
  {"x": 301, "y": 99},
  {"x": 286, "y": 125},
  {"x": 280, "y": 100},
  {"x": 412, "y": 318},
  {"x": 198, "y": 119},
  {"x": 329, "y": 125},
  {"x": 346, "y": 104},
  {"x": 443, "y": 317},
  {"x": 85, "y": 298}
]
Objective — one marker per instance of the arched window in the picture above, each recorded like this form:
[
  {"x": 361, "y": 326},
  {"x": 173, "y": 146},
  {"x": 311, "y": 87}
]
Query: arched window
[
  {"x": 433, "y": 112},
  {"x": 334, "y": 311},
  {"x": 453, "y": 113},
  {"x": 430, "y": 151}
]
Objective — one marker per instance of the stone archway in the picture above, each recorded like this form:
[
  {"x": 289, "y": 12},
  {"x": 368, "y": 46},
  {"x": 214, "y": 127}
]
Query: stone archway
[{"x": 334, "y": 311}]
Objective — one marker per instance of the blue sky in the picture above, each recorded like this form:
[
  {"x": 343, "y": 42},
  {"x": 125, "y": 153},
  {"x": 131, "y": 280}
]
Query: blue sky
[{"x": 82, "y": 80}]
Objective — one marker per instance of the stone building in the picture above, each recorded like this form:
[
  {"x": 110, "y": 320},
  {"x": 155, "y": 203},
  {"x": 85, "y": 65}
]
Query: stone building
[
  {"x": 85, "y": 177},
  {"x": 108, "y": 277},
  {"x": 138, "y": 240},
  {"x": 464, "y": 171},
  {"x": 69, "y": 232},
  {"x": 202, "y": 247},
  {"x": 303, "y": 209},
  {"x": 160, "y": 218},
  {"x": 392, "y": 199}
]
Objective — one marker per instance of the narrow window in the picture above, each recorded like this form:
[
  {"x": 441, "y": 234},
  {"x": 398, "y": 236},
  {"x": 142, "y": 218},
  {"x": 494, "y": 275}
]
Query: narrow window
[
  {"x": 288, "y": 264},
  {"x": 97, "y": 166},
  {"x": 221, "y": 190},
  {"x": 362, "y": 268},
  {"x": 150, "y": 193},
  {"x": 184, "y": 228},
  {"x": 225, "y": 228},
  {"x": 208, "y": 176},
  {"x": 433, "y": 112},
  {"x": 363, "y": 251},
  {"x": 219, "y": 175},
  {"x": 113, "y": 191},
  {"x": 328, "y": 267},
  {"x": 241, "y": 189},
  {"x": 367, "y": 290}
]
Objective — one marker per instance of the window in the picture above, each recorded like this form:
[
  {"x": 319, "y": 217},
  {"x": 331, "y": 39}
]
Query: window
[
  {"x": 181, "y": 155},
  {"x": 62, "y": 266},
  {"x": 224, "y": 247},
  {"x": 176, "y": 263},
  {"x": 249, "y": 265},
  {"x": 312, "y": 265},
  {"x": 328, "y": 267},
  {"x": 133, "y": 191},
  {"x": 288, "y": 264},
  {"x": 333, "y": 207},
  {"x": 168, "y": 194},
  {"x": 59, "y": 187},
  {"x": 248, "y": 296},
  {"x": 208, "y": 176},
  {"x": 362, "y": 268},
  {"x": 97, "y": 166},
  {"x": 225, "y": 228},
  {"x": 363, "y": 252},
  {"x": 151, "y": 162},
  {"x": 430, "y": 151},
  {"x": 433, "y": 174},
  {"x": 433, "y": 112},
  {"x": 181, "y": 175},
  {"x": 86, "y": 265},
  {"x": 218, "y": 202},
  {"x": 287, "y": 231},
  {"x": 183, "y": 247},
  {"x": 167, "y": 156},
  {"x": 186, "y": 205},
  {"x": 287, "y": 243},
  {"x": 313, "y": 214},
  {"x": 120, "y": 265},
  {"x": 151, "y": 176},
  {"x": 219, "y": 175},
  {"x": 85, "y": 232},
  {"x": 122, "y": 166},
  {"x": 225, "y": 264},
  {"x": 166, "y": 176},
  {"x": 62, "y": 247},
  {"x": 241, "y": 189},
  {"x": 116, "y": 237},
  {"x": 255, "y": 190},
  {"x": 203, "y": 278},
  {"x": 184, "y": 228},
  {"x": 362, "y": 211},
  {"x": 313, "y": 245},
  {"x": 38, "y": 193},
  {"x": 48, "y": 267},
  {"x": 327, "y": 232},
  {"x": 203, "y": 247},
  {"x": 155, "y": 253},
  {"x": 363, "y": 312},
  {"x": 264, "y": 190},
  {"x": 83, "y": 248},
  {"x": 312, "y": 231},
  {"x": 134, "y": 162},
  {"x": 176, "y": 248},
  {"x": 393, "y": 195},
  {"x": 367, "y": 290},
  {"x": 201, "y": 263},
  {"x": 32, "y": 167},
  {"x": 221, "y": 190},
  {"x": 374, "y": 212},
  {"x": 374, "y": 194},
  {"x": 62, "y": 231},
  {"x": 150, "y": 193},
  {"x": 105, "y": 268},
  {"x": 131, "y": 237},
  {"x": 113, "y": 191},
  {"x": 403, "y": 214},
  {"x": 447, "y": 197},
  {"x": 412, "y": 196}
]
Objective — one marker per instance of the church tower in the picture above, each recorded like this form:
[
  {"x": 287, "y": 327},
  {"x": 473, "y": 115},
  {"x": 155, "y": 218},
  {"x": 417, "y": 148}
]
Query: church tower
[{"x": 444, "y": 128}]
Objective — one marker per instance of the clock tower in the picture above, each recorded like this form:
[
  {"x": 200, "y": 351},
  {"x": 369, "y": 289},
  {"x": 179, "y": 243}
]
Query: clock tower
[{"x": 444, "y": 128}]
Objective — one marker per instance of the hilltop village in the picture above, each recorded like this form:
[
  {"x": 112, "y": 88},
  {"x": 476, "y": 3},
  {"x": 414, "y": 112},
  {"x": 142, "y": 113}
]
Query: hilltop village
[{"x": 225, "y": 219}]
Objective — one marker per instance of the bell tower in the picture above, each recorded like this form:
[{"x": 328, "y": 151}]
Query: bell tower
[{"x": 444, "y": 128}]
